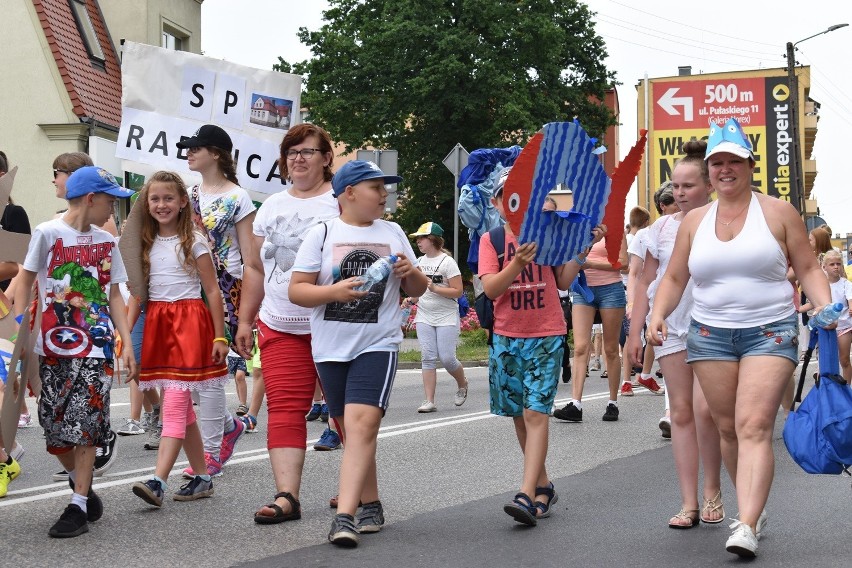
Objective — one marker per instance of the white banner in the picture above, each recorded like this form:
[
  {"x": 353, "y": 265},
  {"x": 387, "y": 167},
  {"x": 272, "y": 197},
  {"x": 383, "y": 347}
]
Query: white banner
[{"x": 168, "y": 95}]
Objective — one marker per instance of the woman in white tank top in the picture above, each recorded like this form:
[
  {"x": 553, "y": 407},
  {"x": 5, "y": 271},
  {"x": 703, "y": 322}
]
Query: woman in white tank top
[
  {"x": 742, "y": 340},
  {"x": 694, "y": 433}
]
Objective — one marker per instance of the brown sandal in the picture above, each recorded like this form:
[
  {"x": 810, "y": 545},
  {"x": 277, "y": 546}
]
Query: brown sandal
[
  {"x": 280, "y": 516},
  {"x": 690, "y": 515},
  {"x": 713, "y": 505}
]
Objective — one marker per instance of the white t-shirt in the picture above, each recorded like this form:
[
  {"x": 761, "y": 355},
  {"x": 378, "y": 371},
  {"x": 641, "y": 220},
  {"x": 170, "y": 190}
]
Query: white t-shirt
[
  {"x": 841, "y": 291},
  {"x": 75, "y": 271},
  {"x": 283, "y": 221},
  {"x": 629, "y": 238},
  {"x": 341, "y": 332},
  {"x": 660, "y": 241},
  {"x": 434, "y": 309},
  {"x": 169, "y": 280},
  {"x": 638, "y": 245},
  {"x": 220, "y": 213}
]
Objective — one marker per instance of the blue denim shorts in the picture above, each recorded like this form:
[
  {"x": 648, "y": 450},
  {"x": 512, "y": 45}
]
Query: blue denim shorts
[
  {"x": 523, "y": 372},
  {"x": 605, "y": 296},
  {"x": 707, "y": 343}
]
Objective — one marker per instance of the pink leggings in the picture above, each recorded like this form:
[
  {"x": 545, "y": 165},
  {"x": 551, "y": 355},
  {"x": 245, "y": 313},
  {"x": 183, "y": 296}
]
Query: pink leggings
[
  {"x": 290, "y": 376},
  {"x": 177, "y": 412}
]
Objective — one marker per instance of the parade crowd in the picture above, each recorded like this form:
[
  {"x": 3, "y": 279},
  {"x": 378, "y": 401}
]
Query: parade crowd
[{"x": 309, "y": 289}]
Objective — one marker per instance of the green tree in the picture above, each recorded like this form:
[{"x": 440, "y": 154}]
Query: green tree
[{"x": 419, "y": 76}]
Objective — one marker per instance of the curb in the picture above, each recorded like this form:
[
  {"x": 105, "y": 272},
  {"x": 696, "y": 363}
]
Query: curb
[{"x": 409, "y": 365}]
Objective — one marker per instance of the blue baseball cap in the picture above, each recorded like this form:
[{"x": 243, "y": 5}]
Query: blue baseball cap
[
  {"x": 355, "y": 172},
  {"x": 92, "y": 179}
]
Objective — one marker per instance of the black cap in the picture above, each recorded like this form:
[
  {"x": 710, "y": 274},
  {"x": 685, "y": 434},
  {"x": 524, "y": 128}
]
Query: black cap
[{"x": 208, "y": 135}]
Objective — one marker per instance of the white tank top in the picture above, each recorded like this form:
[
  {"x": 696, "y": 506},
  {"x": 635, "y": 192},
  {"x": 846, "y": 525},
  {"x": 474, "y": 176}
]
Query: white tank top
[{"x": 743, "y": 282}]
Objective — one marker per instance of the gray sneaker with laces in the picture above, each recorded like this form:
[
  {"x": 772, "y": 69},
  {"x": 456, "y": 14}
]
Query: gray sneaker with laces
[
  {"x": 370, "y": 517},
  {"x": 131, "y": 428},
  {"x": 197, "y": 488},
  {"x": 153, "y": 442}
]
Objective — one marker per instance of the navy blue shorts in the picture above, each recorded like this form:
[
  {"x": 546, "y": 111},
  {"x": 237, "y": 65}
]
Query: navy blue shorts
[{"x": 367, "y": 379}]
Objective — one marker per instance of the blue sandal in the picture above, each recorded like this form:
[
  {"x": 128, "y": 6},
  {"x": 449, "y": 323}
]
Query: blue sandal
[
  {"x": 542, "y": 508},
  {"x": 522, "y": 509}
]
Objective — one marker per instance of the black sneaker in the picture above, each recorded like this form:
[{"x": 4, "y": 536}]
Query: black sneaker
[
  {"x": 151, "y": 492},
  {"x": 611, "y": 413},
  {"x": 105, "y": 455},
  {"x": 197, "y": 488},
  {"x": 569, "y": 413},
  {"x": 343, "y": 531},
  {"x": 370, "y": 518},
  {"x": 94, "y": 505},
  {"x": 72, "y": 523}
]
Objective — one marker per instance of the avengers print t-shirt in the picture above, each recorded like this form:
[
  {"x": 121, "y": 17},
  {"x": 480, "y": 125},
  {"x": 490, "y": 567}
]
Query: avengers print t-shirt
[{"x": 75, "y": 271}]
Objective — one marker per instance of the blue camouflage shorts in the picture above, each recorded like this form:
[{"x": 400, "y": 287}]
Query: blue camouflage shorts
[{"x": 523, "y": 372}]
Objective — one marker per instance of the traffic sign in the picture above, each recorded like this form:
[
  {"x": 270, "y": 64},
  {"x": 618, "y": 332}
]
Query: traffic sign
[{"x": 456, "y": 161}]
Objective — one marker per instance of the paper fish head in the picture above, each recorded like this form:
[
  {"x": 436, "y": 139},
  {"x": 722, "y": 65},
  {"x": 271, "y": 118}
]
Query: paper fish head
[
  {"x": 730, "y": 138},
  {"x": 560, "y": 153}
]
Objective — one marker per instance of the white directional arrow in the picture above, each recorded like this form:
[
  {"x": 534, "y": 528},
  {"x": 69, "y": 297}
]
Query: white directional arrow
[{"x": 668, "y": 102}]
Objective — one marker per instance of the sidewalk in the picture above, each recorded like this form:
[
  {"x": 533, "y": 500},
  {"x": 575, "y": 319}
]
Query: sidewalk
[{"x": 414, "y": 345}]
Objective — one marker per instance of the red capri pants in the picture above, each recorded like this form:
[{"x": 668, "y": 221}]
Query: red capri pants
[{"x": 290, "y": 377}]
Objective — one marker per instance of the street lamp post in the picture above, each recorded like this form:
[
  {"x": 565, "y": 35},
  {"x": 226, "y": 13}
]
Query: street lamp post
[{"x": 792, "y": 82}]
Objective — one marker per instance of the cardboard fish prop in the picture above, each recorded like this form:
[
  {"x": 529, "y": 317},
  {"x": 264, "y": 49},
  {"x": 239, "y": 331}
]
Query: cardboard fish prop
[
  {"x": 622, "y": 178},
  {"x": 13, "y": 246},
  {"x": 561, "y": 152},
  {"x": 130, "y": 246}
]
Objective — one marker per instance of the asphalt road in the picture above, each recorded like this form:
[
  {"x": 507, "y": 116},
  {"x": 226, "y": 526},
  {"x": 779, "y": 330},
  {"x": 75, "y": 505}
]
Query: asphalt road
[{"x": 444, "y": 478}]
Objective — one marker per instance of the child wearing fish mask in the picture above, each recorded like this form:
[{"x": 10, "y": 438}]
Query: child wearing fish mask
[{"x": 526, "y": 355}]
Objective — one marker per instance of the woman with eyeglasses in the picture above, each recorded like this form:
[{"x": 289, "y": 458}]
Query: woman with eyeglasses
[
  {"x": 224, "y": 212},
  {"x": 284, "y": 331}
]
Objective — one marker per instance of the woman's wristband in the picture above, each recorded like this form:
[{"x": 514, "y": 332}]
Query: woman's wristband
[{"x": 222, "y": 339}]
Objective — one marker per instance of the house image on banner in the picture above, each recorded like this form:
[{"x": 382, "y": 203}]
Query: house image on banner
[{"x": 270, "y": 112}]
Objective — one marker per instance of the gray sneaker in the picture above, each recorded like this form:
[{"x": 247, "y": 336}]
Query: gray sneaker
[
  {"x": 197, "y": 488},
  {"x": 343, "y": 531},
  {"x": 147, "y": 421},
  {"x": 131, "y": 428},
  {"x": 153, "y": 442},
  {"x": 151, "y": 492},
  {"x": 370, "y": 517},
  {"x": 461, "y": 395}
]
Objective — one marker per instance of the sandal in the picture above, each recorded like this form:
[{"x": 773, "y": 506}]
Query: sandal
[
  {"x": 280, "y": 516},
  {"x": 542, "y": 507},
  {"x": 604, "y": 375},
  {"x": 713, "y": 505},
  {"x": 691, "y": 516},
  {"x": 242, "y": 410},
  {"x": 522, "y": 510}
]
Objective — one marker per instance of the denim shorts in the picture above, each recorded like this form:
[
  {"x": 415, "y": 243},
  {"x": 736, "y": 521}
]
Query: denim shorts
[
  {"x": 779, "y": 338},
  {"x": 605, "y": 296},
  {"x": 523, "y": 372}
]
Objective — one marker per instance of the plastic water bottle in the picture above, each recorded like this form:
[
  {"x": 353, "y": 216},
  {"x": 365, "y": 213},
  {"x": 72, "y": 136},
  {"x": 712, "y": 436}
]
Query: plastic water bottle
[
  {"x": 378, "y": 272},
  {"x": 827, "y": 316}
]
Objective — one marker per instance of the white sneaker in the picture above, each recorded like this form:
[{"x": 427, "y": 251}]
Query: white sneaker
[
  {"x": 131, "y": 428},
  {"x": 595, "y": 365},
  {"x": 25, "y": 421},
  {"x": 427, "y": 406},
  {"x": 742, "y": 541},
  {"x": 17, "y": 452},
  {"x": 461, "y": 395},
  {"x": 761, "y": 524}
]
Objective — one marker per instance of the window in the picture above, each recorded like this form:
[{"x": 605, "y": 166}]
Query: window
[
  {"x": 87, "y": 30},
  {"x": 171, "y": 41}
]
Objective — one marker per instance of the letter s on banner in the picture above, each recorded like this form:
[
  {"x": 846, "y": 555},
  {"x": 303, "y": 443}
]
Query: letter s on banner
[{"x": 196, "y": 93}]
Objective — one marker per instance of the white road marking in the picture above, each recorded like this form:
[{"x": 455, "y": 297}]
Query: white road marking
[{"x": 60, "y": 488}]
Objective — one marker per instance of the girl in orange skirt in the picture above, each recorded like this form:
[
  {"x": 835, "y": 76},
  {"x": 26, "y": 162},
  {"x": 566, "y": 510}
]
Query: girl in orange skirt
[{"x": 183, "y": 347}]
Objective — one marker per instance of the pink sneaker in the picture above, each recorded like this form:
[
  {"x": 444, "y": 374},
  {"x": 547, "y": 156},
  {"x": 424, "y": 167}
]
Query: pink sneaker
[
  {"x": 229, "y": 441},
  {"x": 214, "y": 467}
]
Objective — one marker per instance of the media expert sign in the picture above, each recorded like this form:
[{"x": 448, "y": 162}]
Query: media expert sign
[
  {"x": 168, "y": 95},
  {"x": 684, "y": 110}
]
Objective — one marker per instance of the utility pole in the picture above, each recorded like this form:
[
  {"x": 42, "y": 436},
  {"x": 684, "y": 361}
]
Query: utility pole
[{"x": 796, "y": 154}]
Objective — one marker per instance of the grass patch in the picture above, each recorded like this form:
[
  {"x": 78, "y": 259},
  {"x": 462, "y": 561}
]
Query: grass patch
[{"x": 472, "y": 347}]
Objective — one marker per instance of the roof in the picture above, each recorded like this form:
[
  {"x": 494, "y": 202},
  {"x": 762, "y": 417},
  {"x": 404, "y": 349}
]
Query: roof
[{"x": 94, "y": 90}]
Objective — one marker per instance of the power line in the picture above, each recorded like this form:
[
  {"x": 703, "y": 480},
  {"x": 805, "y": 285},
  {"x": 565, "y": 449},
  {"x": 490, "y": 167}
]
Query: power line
[
  {"x": 674, "y": 38},
  {"x": 744, "y": 66},
  {"x": 714, "y": 32}
]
